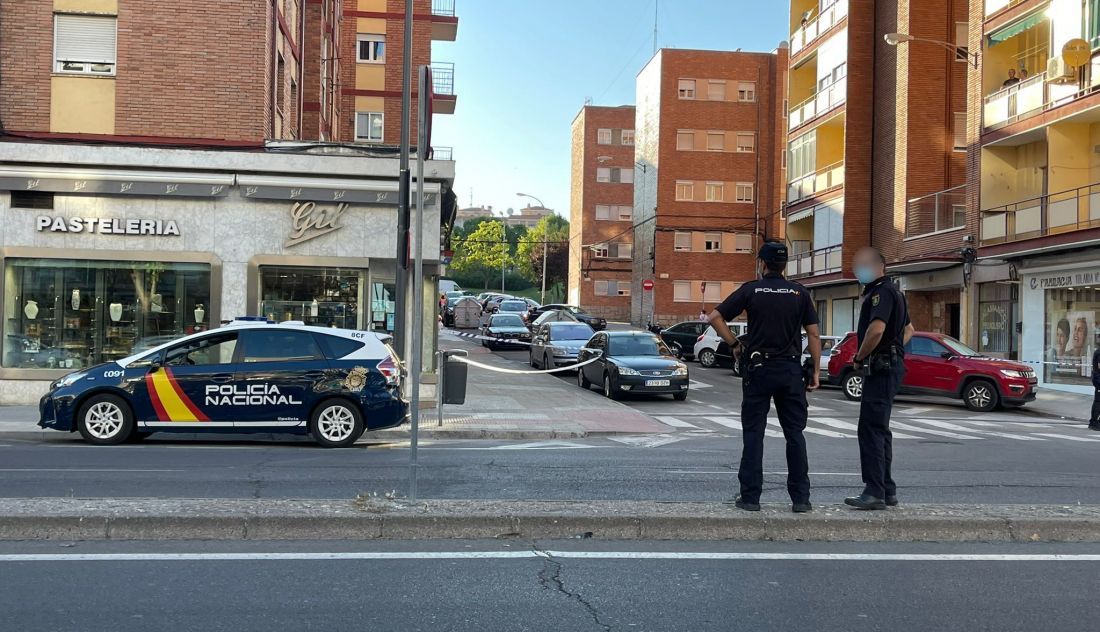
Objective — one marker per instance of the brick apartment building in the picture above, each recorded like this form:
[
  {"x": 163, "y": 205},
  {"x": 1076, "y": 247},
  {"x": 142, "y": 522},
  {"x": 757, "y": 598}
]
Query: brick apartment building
[
  {"x": 710, "y": 131},
  {"x": 877, "y": 143},
  {"x": 601, "y": 210},
  {"x": 166, "y": 167}
]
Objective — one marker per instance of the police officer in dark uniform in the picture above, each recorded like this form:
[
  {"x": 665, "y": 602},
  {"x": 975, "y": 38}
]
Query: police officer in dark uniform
[
  {"x": 884, "y": 329},
  {"x": 778, "y": 310},
  {"x": 1094, "y": 420}
]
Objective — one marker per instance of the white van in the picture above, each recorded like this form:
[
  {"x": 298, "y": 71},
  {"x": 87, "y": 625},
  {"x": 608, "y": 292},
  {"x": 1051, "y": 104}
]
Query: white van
[{"x": 447, "y": 285}]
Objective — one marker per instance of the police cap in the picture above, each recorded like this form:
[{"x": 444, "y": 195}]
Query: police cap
[{"x": 773, "y": 251}]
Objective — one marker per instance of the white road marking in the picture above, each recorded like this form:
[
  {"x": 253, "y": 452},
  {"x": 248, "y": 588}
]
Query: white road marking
[
  {"x": 642, "y": 441},
  {"x": 1067, "y": 437},
  {"x": 715, "y": 407},
  {"x": 818, "y": 409},
  {"x": 729, "y": 422},
  {"x": 698, "y": 384},
  {"x": 845, "y": 425},
  {"x": 994, "y": 433},
  {"x": 940, "y": 433},
  {"x": 950, "y": 426},
  {"x": 675, "y": 422},
  {"x": 504, "y": 555},
  {"x": 77, "y": 469},
  {"x": 537, "y": 445},
  {"x": 817, "y": 431},
  {"x": 913, "y": 411}
]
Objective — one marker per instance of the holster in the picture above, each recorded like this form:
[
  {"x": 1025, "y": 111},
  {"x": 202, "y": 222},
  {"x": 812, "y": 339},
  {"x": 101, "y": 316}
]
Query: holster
[
  {"x": 808, "y": 371},
  {"x": 884, "y": 361}
]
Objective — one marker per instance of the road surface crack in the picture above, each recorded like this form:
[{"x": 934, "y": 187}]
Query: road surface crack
[{"x": 550, "y": 578}]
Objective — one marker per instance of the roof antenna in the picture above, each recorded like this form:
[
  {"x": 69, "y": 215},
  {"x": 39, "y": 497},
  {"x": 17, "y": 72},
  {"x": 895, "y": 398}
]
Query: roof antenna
[{"x": 656, "y": 6}]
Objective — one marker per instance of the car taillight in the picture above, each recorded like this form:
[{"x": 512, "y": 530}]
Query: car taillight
[
  {"x": 389, "y": 369},
  {"x": 700, "y": 338}
]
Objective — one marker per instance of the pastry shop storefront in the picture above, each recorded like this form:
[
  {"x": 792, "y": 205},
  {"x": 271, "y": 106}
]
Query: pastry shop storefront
[{"x": 99, "y": 264}]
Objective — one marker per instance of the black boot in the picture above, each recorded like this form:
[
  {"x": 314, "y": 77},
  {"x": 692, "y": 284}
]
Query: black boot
[{"x": 865, "y": 501}]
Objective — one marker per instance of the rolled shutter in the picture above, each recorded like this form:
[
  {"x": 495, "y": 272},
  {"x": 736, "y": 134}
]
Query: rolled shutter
[{"x": 86, "y": 38}]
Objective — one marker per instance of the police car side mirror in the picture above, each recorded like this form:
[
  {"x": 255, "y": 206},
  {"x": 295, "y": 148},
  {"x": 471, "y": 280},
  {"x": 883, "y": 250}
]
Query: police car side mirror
[
  {"x": 155, "y": 365},
  {"x": 947, "y": 355}
]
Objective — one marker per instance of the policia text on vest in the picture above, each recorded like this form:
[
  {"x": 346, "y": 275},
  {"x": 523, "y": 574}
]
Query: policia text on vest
[{"x": 778, "y": 311}]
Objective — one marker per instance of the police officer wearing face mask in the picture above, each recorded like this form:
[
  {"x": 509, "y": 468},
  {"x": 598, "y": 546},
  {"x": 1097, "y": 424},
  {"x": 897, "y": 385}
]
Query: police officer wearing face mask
[
  {"x": 778, "y": 310},
  {"x": 884, "y": 329}
]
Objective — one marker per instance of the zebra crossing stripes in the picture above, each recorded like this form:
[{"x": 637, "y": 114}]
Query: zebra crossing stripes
[
  {"x": 774, "y": 424},
  {"x": 950, "y": 426},
  {"x": 846, "y": 425},
  {"x": 675, "y": 422}
]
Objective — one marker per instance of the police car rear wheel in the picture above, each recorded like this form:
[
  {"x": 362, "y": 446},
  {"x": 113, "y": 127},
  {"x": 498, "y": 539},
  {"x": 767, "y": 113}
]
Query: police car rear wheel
[
  {"x": 336, "y": 424},
  {"x": 853, "y": 386},
  {"x": 707, "y": 358},
  {"x": 105, "y": 420}
]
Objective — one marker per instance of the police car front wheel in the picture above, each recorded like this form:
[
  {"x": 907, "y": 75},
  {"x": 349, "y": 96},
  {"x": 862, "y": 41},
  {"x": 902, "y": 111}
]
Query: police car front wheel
[
  {"x": 105, "y": 420},
  {"x": 336, "y": 424}
]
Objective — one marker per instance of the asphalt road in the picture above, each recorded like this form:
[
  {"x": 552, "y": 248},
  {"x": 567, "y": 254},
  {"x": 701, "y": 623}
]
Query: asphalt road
[
  {"x": 943, "y": 453},
  {"x": 560, "y": 586}
]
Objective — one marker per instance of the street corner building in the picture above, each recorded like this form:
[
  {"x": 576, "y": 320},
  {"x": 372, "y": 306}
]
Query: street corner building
[{"x": 259, "y": 177}]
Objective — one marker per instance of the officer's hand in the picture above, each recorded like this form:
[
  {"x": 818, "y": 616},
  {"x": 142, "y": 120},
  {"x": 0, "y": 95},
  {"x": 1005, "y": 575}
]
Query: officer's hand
[{"x": 815, "y": 383}]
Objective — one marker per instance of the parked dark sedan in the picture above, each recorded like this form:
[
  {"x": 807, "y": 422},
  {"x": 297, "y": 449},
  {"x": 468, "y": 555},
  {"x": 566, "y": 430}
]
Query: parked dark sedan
[
  {"x": 683, "y": 336},
  {"x": 558, "y": 343},
  {"x": 505, "y": 330},
  {"x": 632, "y": 362},
  {"x": 573, "y": 313}
]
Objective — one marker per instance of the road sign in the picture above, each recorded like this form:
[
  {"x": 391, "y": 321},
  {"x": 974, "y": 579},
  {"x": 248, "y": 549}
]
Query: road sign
[{"x": 647, "y": 285}]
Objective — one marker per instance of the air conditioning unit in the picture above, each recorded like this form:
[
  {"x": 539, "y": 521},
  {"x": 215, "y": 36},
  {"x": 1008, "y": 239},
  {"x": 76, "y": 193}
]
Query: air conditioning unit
[{"x": 1058, "y": 71}]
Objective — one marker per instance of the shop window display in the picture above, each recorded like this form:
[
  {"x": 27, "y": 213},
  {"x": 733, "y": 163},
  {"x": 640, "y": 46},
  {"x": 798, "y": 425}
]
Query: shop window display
[
  {"x": 68, "y": 314},
  {"x": 325, "y": 297},
  {"x": 1071, "y": 317}
]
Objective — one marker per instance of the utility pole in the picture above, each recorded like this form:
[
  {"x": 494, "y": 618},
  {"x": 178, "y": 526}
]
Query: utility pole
[
  {"x": 401, "y": 278},
  {"x": 656, "y": 6}
]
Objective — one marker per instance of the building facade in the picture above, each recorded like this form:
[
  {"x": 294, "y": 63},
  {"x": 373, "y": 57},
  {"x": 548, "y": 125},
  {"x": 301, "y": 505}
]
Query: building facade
[
  {"x": 601, "y": 210},
  {"x": 1036, "y": 173},
  {"x": 154, "y": 186},
  {"x": 709, "y": 176}
]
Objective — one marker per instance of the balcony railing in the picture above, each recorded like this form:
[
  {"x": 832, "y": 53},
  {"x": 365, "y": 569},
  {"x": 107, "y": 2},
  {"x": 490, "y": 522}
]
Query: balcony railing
[
  {"x": 826, "y": 100},
  {"x": 443, "y": 7},
  {"x": 815, "y": 262},
  {"x": 442, "y": 153},
  {"x": 809, "y": 32},
  {"x": 1010, "y": 104},
  {"x": 443, "y": 78},
  {"x": 814, "y": 183},
  {"x": 944, "y": 210},
  {"x": 1046, "y": 215}
]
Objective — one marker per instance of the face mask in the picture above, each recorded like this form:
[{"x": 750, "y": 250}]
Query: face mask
[{"x": 865, "y": 274}]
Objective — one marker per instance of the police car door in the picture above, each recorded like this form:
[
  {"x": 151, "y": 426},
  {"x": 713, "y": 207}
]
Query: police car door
[
  {"x": 278, "y": 371},
  {"x": 177, "y": 389}
]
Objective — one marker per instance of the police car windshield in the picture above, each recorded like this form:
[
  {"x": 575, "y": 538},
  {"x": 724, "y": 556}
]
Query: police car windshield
[
  {"x": 506, "y": 320},
  {"x": 639, "y": 345},
  {"x": 570, "y": 331}
]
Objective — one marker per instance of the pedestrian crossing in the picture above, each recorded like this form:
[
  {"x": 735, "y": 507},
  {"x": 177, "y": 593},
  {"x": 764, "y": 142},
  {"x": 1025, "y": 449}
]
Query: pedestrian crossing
[{"x": 904, "y": 429}]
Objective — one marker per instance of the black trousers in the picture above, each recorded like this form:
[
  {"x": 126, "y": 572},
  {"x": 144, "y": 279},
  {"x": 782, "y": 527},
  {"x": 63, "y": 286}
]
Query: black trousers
[
  {"x": 781, "y": 381},
  {"x": 876, "y": 450},
  {"x": 1094, "y": 420}
]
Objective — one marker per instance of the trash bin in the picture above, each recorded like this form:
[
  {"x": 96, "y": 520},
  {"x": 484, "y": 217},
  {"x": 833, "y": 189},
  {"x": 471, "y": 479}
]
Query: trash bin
[{"x": 454, "y": 378}]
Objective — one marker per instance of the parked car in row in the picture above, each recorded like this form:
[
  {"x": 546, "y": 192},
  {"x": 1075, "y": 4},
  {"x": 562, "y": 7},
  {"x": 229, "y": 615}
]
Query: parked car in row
[
  {"x": 939, "y": 365},
  {"x": 632, "y": 362},
  {"x": 681, "y": 337},
  {"x": 558, "y": 343},
  {"x": 710, "y": 350},
  {"x": 568, "y": 312},
  {"x": 505, "y": 331}
]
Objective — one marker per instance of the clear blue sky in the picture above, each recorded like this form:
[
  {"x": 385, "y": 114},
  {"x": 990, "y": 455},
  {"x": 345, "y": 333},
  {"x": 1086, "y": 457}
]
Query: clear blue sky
[{"x": 524, "y": 67}]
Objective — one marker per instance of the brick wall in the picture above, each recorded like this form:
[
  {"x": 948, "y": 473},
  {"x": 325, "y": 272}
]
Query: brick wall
[
  {"x": 763, "y": 117},
  {"x": 26, "y": 60},
  {"x": 586, "y": 194}
]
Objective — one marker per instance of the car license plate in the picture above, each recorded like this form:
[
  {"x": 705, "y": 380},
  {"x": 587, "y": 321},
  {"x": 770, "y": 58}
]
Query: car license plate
[{"x": 657, "y": 382}]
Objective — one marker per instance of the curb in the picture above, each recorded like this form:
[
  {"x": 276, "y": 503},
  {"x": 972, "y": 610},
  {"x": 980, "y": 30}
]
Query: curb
[{"x": 375, "y": 518}]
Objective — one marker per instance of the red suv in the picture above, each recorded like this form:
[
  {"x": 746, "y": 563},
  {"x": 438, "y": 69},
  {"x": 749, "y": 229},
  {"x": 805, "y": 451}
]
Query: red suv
[{"x": 936, "y": 364}]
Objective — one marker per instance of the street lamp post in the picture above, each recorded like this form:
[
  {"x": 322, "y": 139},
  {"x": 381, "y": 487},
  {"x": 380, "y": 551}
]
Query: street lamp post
[
  {"x": 895, "y": 39},
  {"x": 542, "y": 296}
]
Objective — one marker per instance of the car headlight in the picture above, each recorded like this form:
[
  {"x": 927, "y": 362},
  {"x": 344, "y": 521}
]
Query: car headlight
[
  {"x": 681, "y": 370},
  {"x": 1013, "y": 373},
  {"x": 70, "y": 379},
  {"x": 625, "y": 370},
  {"x": 560, "y": 351}
]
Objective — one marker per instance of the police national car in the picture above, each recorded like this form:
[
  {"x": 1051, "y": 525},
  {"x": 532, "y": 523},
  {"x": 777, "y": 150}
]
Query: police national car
[{"x": 248, "y": 376}]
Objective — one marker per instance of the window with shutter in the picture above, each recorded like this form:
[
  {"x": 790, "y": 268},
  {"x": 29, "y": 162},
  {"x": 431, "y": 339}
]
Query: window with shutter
[
  {"x": 681, "y": 291},
  {"x": 626, "y": 176},
  {"x": 716, "y": 191},
  {"x": 603, "y": 136},
  {"x": 85, "y": 44},
  {"x": 603, "y": 174},
  {"x": 603, "y": 212},
  {"x": 625, "y": 251},
  {"x": 712, "y": 291},
  {"x": 626, "y": 213},
  {"x": 685, "y": 140},
  {"x": 687, "y": 88},
  {"x": 742, "y": 243},
  {"x": 712, "y": 242},
  {"x": 622, "y": 288},
  {"x": 685, "y": 191},
  {"x": 682, "y": 242},
  {"x": 600, "y": 288},
  {"x": 628, "y": 137},
  {"x": 960, "y": 131}
]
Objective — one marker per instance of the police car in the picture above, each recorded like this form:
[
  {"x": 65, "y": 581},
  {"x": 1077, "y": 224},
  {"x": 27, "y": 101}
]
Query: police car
[{"x": 251, "y": 375}]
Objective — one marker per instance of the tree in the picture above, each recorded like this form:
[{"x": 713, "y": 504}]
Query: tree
[
  {"x": 554, "y": 230},
  {"x": 482, "y": 252}
]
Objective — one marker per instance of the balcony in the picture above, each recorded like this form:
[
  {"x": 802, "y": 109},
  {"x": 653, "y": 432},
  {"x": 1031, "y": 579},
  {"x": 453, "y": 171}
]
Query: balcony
[
  {"x": 812, "y": 184},
  {"x": 815, "y": 262},
  {"x": 1052, "y": 214},
  {"x": 812, "y": 30},
  {"x": 1011, "y": 104},
  {"x": 443, "y": 87},
  {"x": 444, "y": 21},
  {"x": 442, "y": 153},
  {"x": 826, "y": 100},
  {"x": 936, "y": 213}
]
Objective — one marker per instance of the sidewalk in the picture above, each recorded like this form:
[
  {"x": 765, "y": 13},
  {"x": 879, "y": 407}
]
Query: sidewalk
[
  {"x": 380, "y": 518},
  {"x": 1059, "y": 404}
]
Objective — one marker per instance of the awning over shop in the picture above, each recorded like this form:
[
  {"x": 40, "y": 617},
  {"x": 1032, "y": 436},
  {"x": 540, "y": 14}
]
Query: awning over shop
[{"x": 1017, "y": 27}]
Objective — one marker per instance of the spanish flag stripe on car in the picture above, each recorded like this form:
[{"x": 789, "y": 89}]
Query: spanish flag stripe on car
[{"x": 168, "y": 399}]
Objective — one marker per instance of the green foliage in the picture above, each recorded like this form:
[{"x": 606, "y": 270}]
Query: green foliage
[
  {"x": 554, "y": 231},
  {"x": 482, "y": 252}
]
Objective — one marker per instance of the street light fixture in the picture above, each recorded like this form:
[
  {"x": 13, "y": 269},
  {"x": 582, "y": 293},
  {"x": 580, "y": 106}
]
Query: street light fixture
[
  {"x": 542, "y": 296},
  {"x": 894, "y": 39}
]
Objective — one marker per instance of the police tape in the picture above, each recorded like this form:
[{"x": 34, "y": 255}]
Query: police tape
[
  {"x": 488, "y": 367},
  {"x": 510, "y": 341}
]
